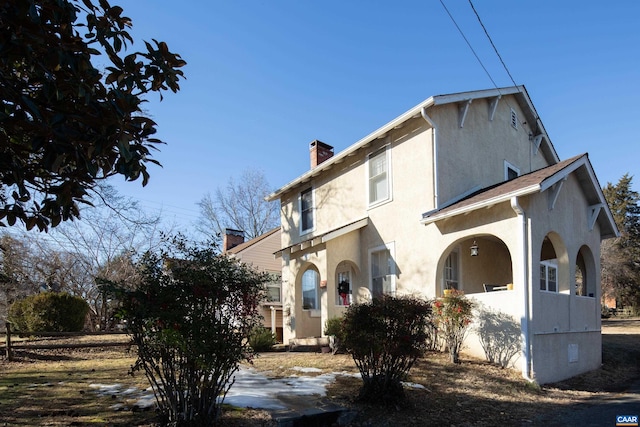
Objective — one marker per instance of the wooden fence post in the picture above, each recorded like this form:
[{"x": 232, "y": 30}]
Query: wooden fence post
[{"x": 7, "y": 343}]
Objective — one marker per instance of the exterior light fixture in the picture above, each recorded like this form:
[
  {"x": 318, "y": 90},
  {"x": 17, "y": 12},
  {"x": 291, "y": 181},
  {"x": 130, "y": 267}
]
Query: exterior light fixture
[{"x": 474, "y": 249}]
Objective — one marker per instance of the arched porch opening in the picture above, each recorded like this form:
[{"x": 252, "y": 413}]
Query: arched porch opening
[
  {"x": 475, "y": 264},
  {"x": 585, "y": 274},
  {"x": 554, "y": 266}
]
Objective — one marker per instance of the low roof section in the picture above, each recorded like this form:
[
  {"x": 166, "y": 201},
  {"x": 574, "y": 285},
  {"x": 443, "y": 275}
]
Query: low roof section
[{"x": 537, "y": 182}]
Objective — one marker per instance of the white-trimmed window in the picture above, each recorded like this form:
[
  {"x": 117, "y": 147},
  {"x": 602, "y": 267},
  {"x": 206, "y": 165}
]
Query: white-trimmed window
[
  {"x": 310, "y": 285},
  {"x": 549, "y": 276},
  {"x": 451, "y": 271},
  {"x": 510, "y": 171},
  {"x": 306, "y": 211},
  {"x": 274, "y": 290},
  {"x": 379, "y": 176},
  {"x": 383, "y": 274}
]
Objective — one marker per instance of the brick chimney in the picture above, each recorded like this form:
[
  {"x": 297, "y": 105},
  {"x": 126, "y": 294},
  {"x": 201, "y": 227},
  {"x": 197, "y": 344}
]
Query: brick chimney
[
  {"x": 232, "y": 238},
  {"x": 319, "y": 152}
]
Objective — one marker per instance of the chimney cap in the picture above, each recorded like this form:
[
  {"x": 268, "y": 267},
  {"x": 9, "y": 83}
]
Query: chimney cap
[
  {"x": 318, "y": 143},
  {"x": 233, "y": 232}
]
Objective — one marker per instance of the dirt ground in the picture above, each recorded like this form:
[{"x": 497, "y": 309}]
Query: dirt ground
[{"x": 472, "y": 393}]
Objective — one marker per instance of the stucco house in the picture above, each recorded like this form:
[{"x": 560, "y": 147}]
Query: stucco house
[
  {"x": 462, "y": 191},
  {"x": 258, "y": 252}
]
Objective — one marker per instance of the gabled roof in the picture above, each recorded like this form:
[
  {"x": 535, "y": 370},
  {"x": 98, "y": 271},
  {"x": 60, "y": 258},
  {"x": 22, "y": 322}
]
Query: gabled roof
[
  {"x": 520, "y": 93},
  {"x": 537, "y": 182},
  {"x": 242, "y": 246}
]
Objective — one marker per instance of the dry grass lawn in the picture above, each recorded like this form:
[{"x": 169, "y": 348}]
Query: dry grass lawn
[{"x": 52, "y": 387}]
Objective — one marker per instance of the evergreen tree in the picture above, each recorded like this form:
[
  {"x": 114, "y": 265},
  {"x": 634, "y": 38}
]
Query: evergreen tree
[{"x": 621, "y": 256}]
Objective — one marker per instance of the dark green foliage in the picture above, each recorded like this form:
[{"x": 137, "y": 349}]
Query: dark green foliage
[
  {"x": 334, "y": 329},
  {"x": 334, "y": 326},
  {"x": 190, "y": 318},
  {"x": 620, "y": 256},
  {"x": 385, "y": 337},
  {"x": 49, "y": 312},
  {"x": 261, "y": 339},
  {"x": 64, "y": 123}
]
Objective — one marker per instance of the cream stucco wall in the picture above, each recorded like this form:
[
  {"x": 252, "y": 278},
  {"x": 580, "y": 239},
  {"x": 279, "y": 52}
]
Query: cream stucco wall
[
  {"x": 473, "y": 156},
  {"x": 561, "y": 320}
]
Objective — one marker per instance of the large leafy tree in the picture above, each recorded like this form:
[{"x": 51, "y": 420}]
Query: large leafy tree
[
  {"x": 621, "y": 256},
  {"x": 66, "y": 124}
]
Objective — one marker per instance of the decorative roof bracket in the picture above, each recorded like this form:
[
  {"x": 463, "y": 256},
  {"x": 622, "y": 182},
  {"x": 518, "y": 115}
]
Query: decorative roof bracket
[
  {"x": 594, "y": 211},
  {"x": 493, "y": 106},
  {"x": 464, "y": 109},
  {"x": 554, "y": 192},
  {"x": 537, "y": 140}
]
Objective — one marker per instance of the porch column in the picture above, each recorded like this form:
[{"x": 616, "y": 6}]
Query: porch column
[{"x": 521, "y": 282}]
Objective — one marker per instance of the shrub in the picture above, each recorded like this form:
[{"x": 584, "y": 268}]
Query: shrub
[
  {"x": 453, "y": 314},
  {"x": 334, "y": 329},
  {"x": 49, "y": 312},
  {"x": 385, "y": 337},
  {"x": 261, "y": 339},
  {"x": 190, "y": 318}
]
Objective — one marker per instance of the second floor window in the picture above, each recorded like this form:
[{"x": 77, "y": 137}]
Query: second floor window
[
  {"x": 510, "y": 171},
  {"x": 379, "y": 182},
  {"x": 306, "y": 210}
]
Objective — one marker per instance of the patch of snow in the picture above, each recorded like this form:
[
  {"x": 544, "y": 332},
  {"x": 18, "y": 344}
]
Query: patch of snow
[
  {"x": 413, "y": 385},
  {"x": 306, "y": 370},
  {"x": 254, "y": 390},
  {"x": 251, "y": 389}
]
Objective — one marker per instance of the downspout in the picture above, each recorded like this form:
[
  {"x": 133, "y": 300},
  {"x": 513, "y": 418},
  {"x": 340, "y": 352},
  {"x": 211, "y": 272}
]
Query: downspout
[
  {"x": 526, "y": 319},
  {"x": 434, "y": 138}
]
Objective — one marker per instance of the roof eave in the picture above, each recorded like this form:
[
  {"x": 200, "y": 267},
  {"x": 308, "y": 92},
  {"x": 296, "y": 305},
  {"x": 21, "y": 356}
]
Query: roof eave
[
  {"x": 483, "y": 204},
  {"x": 349, "y": 151},
  {"x": 413, "y": 112}
]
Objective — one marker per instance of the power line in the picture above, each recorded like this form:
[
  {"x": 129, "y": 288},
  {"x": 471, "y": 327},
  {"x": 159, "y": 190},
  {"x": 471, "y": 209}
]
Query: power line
[
  {"x": 469, "y": 44},
  {"x": 491, "y": 41}
]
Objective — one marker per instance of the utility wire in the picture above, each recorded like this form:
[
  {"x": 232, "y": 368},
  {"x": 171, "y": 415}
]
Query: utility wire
[
  {"x": 537, "y": 118},
  {"x": 491, "y": 41},
  {"x": 469, "y": 44}
]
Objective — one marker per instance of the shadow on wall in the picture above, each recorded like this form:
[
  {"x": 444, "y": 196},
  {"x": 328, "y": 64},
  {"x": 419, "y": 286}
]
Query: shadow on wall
[{"x": 499, "y": 335}]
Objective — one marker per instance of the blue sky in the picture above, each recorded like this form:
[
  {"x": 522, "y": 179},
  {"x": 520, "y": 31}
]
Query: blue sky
[{"x": 265, "y": 78}]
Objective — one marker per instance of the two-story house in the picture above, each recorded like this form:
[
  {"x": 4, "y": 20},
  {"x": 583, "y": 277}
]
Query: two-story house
[{"x": 462, "y": 191}]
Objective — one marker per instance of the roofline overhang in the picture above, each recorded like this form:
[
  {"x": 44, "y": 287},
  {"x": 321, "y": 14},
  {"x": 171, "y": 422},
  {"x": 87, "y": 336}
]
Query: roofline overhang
[
  {"x": 324, "y": 237},
  {"x": 483, "y": 204},
  {"x": 412, "y": 113},
  {"x": 544, "y": 185}
]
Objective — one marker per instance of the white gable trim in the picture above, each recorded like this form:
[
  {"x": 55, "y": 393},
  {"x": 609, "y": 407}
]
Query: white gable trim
[{"x": 399, "y": 121}]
